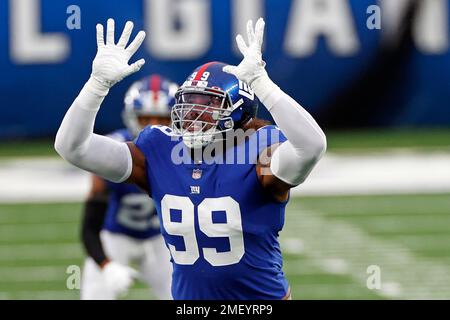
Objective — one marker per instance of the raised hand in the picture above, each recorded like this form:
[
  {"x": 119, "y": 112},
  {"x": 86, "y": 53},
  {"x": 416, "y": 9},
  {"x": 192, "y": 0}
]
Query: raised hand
[
  {"x": 111, "y": 62},
  {"x": 252, "y": 66}
]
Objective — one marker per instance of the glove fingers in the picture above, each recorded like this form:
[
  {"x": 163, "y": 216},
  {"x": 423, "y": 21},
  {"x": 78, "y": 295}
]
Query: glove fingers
[
  {"x": 100, "y": 36},
  {"x": 250, "y": 32},
  {"x": 137, "y": 42},
  {"x": 110, "y": 32},
  {"x": 241, "y": 44},
  {"x": 260, "y": 31},
  {"x": 135, "y": 67},
  {"x": 123, "y": 41}
]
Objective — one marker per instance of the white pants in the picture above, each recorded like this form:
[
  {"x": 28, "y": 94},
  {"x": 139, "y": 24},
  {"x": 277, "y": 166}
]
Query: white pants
[{"x": 151, "y": 256}]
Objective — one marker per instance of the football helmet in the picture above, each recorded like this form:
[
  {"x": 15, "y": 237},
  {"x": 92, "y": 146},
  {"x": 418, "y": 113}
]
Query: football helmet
[
  {"x": 151, "y": 96},
  {"x": 210, "y": 103}
]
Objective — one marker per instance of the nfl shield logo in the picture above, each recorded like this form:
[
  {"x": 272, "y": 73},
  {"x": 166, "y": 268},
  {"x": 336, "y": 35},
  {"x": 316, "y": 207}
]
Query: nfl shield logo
[{"x": 196, "y": 174}]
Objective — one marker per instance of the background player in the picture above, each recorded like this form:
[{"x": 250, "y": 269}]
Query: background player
[{"x": 120, "y": 226}]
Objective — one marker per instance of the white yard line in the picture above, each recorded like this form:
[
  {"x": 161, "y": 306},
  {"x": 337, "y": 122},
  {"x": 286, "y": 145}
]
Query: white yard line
[
  {"x": 38, "y": 251},
  {"x": 41, "y": 180},
  {"x": 33, "y": 274},
  {"x": 66, "y": 294},
  {"x": 393, "y": 172},
  {"x": 390, "y": 172},
  {"x": 341, "y": 248},
  {"x": 40, "y": 295}
]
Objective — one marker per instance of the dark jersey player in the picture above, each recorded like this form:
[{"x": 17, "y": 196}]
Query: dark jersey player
[{"x": 220, "y": 194}]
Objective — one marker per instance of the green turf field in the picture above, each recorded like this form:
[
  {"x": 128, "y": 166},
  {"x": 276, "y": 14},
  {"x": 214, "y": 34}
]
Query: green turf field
[{"x": 328, "y": 243}]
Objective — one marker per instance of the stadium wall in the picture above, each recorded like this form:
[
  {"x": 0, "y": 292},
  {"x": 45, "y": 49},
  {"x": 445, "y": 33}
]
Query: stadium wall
[{"x": 315, "y": 50}]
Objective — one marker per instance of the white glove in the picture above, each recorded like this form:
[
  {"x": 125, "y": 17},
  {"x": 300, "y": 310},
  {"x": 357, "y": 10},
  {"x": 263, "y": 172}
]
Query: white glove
[
  {"x": 252, "y": 66},
  {"x": 111, "y": 62},
  {"x": 118, "y": 277}
]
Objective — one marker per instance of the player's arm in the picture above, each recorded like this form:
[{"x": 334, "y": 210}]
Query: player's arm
[
  {"x": 138, "y": 172},
  {"x": 95, "y": 208},
  {"x": 75, "y": 140},
  {"x": 292, "y": 161}
]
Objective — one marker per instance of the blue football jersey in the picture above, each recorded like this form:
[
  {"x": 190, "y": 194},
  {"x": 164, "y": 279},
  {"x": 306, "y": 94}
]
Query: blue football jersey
[
  {"x": 130, "y": 210},
  {"x": 220, "y": 225}
]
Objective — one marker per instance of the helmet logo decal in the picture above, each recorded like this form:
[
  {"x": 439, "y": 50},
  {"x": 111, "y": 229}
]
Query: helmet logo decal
[{"x": 246, "y": 91}]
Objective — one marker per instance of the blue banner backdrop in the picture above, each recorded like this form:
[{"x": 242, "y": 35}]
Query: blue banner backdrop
[{"x": 45, "y": 59}]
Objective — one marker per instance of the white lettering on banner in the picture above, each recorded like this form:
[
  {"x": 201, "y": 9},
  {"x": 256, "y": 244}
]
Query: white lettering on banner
[
  {"x": 242, "y": 12},
  {"x": 431, "y": 27},
  {"x": 311, "y": 19},
  {"x": 190, "y": 40},
  {"x": 182, "y": 29},
  {"x": 430, "y": 31},
  {"x": 28, "y": 44}
]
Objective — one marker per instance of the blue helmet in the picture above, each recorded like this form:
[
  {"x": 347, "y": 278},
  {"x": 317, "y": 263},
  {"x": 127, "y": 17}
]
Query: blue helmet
[
  {"x": 210, "y": 103},
  {"x": 151, "y": 96}
]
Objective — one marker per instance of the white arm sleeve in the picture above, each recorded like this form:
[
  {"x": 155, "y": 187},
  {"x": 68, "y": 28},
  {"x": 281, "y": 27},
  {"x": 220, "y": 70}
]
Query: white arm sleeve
[
  {"x": 77, "y": 143},
  {"x": 293, "y": 160}
]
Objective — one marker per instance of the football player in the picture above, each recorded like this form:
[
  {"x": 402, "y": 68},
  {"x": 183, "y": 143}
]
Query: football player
[
  {"x": 120, "y": 225},
  {"x": 219, "y": 219}
]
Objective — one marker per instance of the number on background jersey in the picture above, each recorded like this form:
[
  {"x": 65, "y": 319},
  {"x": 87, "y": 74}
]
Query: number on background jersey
[
  {"x": 135, "y": 212},
  {"x": 232, "y": 229}
]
